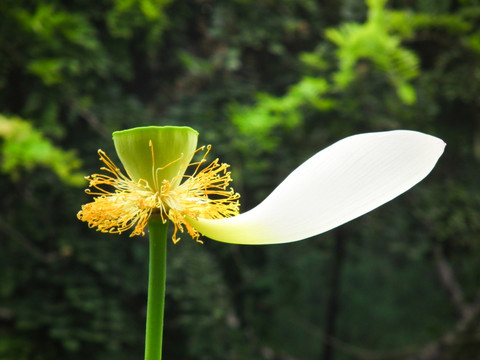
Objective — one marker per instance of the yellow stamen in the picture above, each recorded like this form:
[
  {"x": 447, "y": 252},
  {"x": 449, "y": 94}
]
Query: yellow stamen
[{"x": 205, "y": 194}]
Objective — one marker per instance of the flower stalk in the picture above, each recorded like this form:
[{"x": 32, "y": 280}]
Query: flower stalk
[{"x": 157, "y": 230}]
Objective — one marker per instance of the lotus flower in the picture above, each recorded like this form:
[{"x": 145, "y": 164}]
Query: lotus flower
[{"x": 340, "y": 183}]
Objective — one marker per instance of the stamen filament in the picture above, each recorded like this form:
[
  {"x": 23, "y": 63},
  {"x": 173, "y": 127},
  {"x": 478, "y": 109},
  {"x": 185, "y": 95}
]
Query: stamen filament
[{"x": 204, "y": 194}]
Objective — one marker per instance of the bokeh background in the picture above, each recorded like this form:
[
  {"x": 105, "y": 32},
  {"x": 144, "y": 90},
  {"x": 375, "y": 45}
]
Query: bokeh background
[{"x": 268, "y": 83}]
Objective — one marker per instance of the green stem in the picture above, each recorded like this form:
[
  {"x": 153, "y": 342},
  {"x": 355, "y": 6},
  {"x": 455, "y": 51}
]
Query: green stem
[{"x": 157, "y": 271}]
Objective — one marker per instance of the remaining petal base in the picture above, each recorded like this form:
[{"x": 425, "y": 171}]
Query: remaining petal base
[{"x": 342, "y": 182}]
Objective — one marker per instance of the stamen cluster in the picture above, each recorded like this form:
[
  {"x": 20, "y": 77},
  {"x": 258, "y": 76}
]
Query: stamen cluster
[{"x": 130, "y": 204}]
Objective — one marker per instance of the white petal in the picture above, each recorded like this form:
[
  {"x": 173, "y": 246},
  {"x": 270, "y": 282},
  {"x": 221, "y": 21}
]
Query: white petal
[{"x": 342, "y": 182}]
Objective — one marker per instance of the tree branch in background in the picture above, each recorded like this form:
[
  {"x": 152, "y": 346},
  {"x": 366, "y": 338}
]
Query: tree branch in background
[
  {"x": 333, "y": 304},
  {"x": 469, "y": 313},
  {"x": 95, "y": 123},
  {"x": 449, "y": 282},
  {"x": 38, "y": 254},
  {"x": 434, "y": 350}
]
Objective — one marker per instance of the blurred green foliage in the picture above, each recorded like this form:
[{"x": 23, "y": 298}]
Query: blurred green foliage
[
  {"x": 375, "y": 41},
  {"x": 268, "y": 84},
  {"x": 25, "y": 147}
]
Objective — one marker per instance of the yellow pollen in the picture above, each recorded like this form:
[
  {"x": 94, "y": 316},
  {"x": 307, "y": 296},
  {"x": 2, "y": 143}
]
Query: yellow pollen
[{"x": 125, "y": 204}]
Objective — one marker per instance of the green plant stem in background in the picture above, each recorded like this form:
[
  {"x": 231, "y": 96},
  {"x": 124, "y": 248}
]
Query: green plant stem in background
[{"x": 156, "y": 288}]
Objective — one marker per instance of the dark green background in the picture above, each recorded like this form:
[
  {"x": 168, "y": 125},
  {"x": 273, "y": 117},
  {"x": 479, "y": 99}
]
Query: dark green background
[{"x": 268, "y": 83}]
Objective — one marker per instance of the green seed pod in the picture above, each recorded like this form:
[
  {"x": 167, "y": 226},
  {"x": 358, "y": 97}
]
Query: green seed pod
[{"x": 145, "y": 152}]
